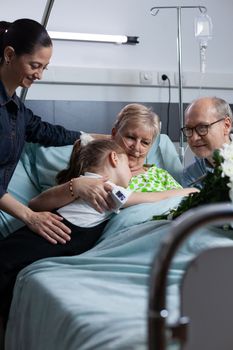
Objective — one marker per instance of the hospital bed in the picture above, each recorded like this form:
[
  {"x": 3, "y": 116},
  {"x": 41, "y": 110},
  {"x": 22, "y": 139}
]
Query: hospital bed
[
  {"x": 99, "y": 299},
  {"x": 206, "y": 304}
]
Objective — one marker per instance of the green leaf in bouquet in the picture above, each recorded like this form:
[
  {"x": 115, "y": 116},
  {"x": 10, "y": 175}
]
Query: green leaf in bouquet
[{"x": 215, "y": 189}]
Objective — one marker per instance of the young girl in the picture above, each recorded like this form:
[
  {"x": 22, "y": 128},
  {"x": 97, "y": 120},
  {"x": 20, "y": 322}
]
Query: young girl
[{"x": 98, "y": 158}]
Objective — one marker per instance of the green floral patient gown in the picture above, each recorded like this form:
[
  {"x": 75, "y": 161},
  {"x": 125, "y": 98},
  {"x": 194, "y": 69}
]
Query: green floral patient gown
[{"x": 153, "y": 180}]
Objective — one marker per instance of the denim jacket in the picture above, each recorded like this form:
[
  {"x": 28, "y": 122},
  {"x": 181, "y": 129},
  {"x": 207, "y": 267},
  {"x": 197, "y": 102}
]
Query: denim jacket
[
  {"x": 196, "y": 171},
  {"x": 18, "y": 125}
]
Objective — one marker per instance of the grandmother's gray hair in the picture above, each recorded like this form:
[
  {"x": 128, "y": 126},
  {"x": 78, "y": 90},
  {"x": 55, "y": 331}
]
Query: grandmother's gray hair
[{"x": 138, "y": 114}]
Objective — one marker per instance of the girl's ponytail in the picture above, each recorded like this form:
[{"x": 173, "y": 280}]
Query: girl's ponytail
[{"x": 73, "y": 169}]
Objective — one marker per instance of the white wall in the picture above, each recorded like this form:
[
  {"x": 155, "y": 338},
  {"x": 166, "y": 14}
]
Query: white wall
[{"x": 112, "y": 72}]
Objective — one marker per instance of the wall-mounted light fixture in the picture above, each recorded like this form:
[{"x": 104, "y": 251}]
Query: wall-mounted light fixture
[{"x": 103, "y": 38}]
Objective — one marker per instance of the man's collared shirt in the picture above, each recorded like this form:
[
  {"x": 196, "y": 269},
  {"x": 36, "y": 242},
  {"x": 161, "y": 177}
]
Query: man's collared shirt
[{"x": 194, "y": 173}]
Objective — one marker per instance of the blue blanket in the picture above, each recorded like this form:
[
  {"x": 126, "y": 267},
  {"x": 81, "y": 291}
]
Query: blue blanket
[{"x": 98, "y": 300}]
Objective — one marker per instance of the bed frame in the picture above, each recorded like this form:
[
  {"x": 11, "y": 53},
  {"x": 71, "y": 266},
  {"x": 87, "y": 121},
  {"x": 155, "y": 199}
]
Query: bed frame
[{"x": 201, "y": 288}]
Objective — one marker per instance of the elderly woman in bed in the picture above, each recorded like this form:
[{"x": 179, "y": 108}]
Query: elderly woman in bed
[{"x": 135, "y": 129}]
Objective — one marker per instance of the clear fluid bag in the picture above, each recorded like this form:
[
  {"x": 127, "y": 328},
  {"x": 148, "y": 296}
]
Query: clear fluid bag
[{"x": 203, "y": 32}]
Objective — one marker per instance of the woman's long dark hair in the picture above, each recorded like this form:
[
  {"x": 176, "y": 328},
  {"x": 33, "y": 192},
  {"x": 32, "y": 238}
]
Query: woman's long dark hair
[
  {"x": 88, "y": 158},
  {"x": 24, "y": 35}
]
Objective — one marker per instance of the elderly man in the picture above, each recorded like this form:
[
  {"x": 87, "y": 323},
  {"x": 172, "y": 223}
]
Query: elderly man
[{"x": 208, "y": 123}]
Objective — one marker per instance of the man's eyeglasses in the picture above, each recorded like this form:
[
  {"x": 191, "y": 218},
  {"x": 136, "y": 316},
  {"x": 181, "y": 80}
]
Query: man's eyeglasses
[{"x": 201, "y": 129}]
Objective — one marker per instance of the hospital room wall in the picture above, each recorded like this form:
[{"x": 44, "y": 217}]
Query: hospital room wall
[
  {"x": 88, "y": 82},
  {"x": 96, "y": 71}
]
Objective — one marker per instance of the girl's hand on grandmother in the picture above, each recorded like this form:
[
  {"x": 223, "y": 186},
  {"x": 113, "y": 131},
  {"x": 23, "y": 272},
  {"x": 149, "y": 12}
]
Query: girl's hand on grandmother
[
  {"x": 49, "y": 226},
  {"x": 95, "y": 191}
]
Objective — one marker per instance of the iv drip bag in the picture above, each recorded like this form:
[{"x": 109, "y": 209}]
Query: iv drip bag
[
  {"x": 203, "y": 32},
  {"x": 203, "y": 27}
]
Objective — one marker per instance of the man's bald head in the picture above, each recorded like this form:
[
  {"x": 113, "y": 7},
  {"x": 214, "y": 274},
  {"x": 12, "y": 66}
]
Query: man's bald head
[{"x": 216, "y": 114}]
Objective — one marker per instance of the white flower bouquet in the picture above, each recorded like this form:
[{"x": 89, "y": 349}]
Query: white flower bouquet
[
  {"x": 217, "y": 185},
  {"x": 227, "y": 166}
]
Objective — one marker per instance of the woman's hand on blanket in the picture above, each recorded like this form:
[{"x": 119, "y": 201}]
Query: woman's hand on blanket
[
  {"x": 95, "y": 191},
  {"x": 49, "y": 226}
]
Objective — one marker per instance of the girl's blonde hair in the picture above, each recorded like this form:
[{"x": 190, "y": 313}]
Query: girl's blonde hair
[
  {"x": 88, "y": 158},
  {"x": 138, "y": 114}
]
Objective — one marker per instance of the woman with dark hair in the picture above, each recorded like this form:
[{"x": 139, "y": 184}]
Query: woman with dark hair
[{"x": 25, "y": 52}]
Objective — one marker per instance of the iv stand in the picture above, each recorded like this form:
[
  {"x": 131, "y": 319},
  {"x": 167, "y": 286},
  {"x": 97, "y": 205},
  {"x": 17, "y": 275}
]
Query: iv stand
[{"x": 154, "y": 11}]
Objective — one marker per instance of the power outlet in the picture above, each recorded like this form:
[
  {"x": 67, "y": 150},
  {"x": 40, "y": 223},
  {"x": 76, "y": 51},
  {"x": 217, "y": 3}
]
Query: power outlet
[
  {"x": 146, "y": 77},
  {"x": 160, "y": 79}
]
